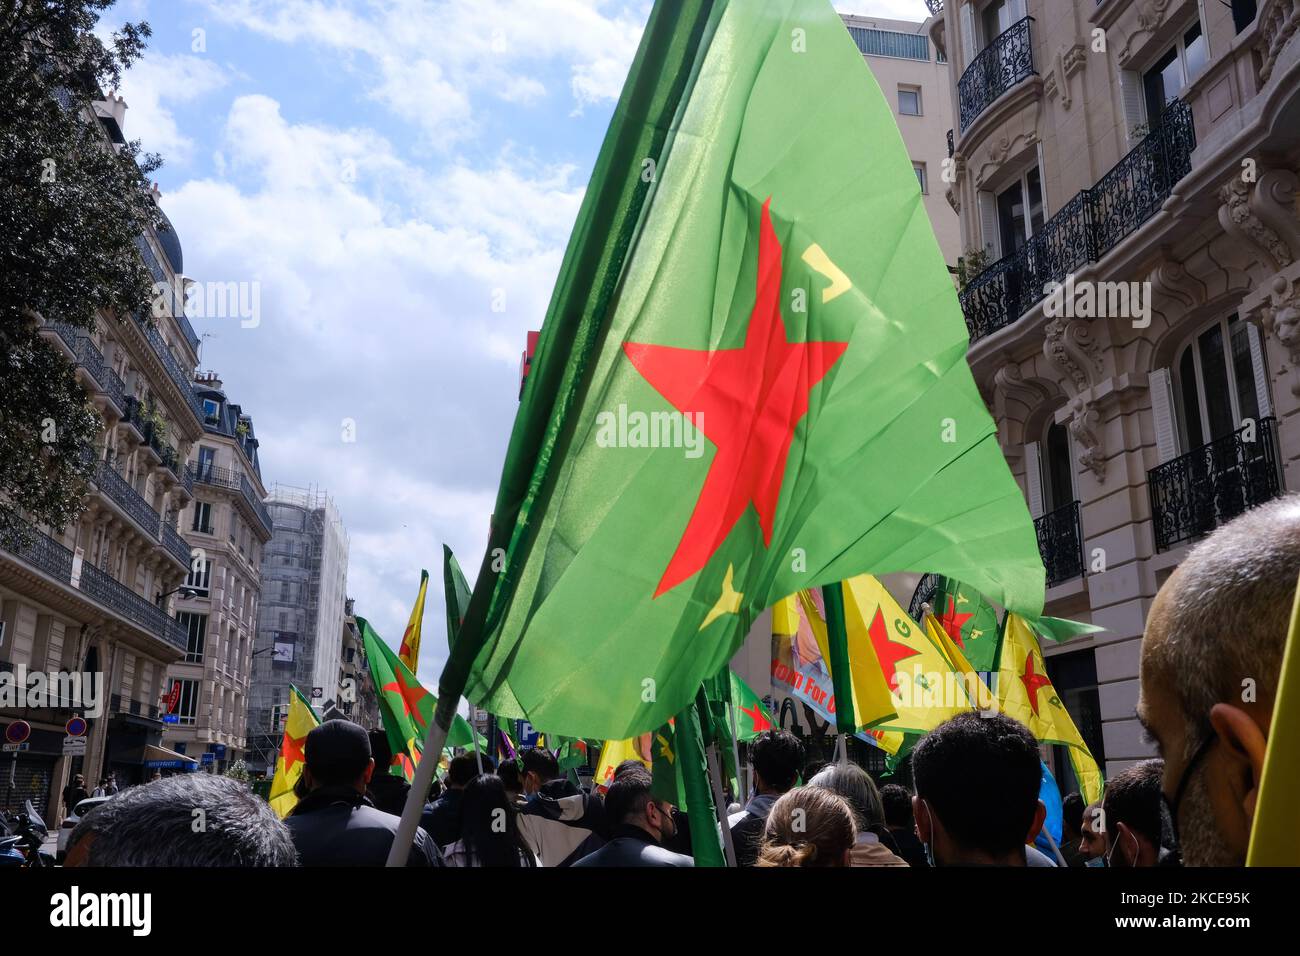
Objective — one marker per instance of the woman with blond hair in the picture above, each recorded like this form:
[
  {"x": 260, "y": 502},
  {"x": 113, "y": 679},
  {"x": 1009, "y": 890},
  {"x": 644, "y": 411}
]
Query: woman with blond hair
[{"x": 808, "y": 827}]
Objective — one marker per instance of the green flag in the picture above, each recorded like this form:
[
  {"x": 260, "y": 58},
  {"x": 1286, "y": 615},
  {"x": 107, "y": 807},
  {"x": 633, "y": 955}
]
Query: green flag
[
  {"x": 752, "y": 717},
  {"x": 456, "y": 593},
  {"x": 969, "y": 620},
  {"x": 751, "y": 380},
  {"x": 405, "y": 707}
]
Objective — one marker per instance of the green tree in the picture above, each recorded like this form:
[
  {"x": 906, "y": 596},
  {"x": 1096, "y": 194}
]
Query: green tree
[{"x": 72, "y": 206}]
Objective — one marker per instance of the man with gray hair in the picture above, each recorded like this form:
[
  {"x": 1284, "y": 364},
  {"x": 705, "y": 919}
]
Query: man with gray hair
[
  {"x": 858, "y": 790},
  {"x": 1211, "y": 658},
  {"x": 193, "y": 819}
]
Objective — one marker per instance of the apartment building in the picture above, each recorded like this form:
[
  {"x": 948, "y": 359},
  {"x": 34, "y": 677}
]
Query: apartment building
[
  {"x": 226, "y": 526},
  {"x": 96, "y": 596}
]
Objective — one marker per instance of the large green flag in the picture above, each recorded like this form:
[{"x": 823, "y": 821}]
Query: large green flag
[
  {"x": 751, "y": 380},
  {"x": 455, "y": 592},
  {"x": 752, "y": 717},
  {"x": 405, "y": 707}
]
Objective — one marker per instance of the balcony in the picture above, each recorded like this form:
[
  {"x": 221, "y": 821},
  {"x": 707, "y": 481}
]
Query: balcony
[
  {"x": 176, "y": 545},
  {"x": 237, "y": 481},
  {"x": 1195, "y": 493},
  {"x": 128, "y": 499},
  {"x": 180, "y": 378},
  {"x": 1007, "y": 60},
  {"x": 1086, "y": 228},
  {"x": 40, "y": 551},
  {"x": 935, "y": 7},
  {"x": 89, "y": 358},
  {"x": 1060, "y": 542}
]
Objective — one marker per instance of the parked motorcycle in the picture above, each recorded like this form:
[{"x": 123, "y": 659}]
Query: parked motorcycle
[{"x": 21, "y": 837}]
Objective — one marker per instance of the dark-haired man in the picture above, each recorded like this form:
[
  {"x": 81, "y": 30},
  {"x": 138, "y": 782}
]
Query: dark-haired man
[
  {"x": 387, "y": 790},
  {"x": 335, "y": 824},
  {"x": 1131, "y": 811},
  {"x": 558, "y": 822},
  {"x": 897, "y": 803},
  {"x": 640, "y": 825},
  {"x": 776, "y": 756},
  {"x": 977, "y": 780},
  {"x": 441, "y": 818}
]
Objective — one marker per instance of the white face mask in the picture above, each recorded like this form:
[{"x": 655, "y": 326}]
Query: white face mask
[{"x": 928, "y": 844}]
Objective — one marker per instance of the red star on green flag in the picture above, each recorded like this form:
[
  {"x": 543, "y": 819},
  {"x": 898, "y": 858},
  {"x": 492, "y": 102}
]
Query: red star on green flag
[
  {"x": 952, "y": 621},
  {"x": 747, "y": 402}
]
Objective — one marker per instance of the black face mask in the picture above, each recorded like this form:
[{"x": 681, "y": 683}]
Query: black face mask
[{"x": 1170, "y": 848}]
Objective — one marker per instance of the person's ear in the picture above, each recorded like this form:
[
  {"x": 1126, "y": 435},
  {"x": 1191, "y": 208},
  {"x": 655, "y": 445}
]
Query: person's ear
[
  {"x": 1036, "y": 826},
  {"x": 922, "y": 820},
  {"x": 370, "y": 770},
  {"x": 1247, "y": 742}
]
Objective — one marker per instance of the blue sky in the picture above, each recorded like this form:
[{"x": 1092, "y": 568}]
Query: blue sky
[{"x": 399, "y": 177}]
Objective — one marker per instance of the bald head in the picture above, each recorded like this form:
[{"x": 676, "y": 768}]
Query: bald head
[
  {"x": 1211, "y": 659},
  {"x": 1222, "y": 617}
]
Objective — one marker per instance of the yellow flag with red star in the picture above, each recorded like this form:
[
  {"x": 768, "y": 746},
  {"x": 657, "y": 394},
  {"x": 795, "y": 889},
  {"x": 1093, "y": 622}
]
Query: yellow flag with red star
[
  {"x": 298, "y": 724},
  {"x": 614, "y": 752},
  {"x": 409, "y": 653},
  {"x": 1025, "y": 693}
]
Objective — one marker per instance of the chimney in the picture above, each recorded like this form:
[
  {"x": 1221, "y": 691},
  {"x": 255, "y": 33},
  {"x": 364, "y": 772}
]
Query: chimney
[{"x": 114, "y": 106}]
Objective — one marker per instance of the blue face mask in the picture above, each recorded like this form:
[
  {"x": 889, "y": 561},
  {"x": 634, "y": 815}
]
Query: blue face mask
[{"x": 1096, "y": 861}]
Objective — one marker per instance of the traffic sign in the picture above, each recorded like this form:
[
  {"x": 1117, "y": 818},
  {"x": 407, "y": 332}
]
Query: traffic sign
[
  {"x": 76, "y": 727},
  {"x": 208, "y": 758},
  {"x": 74, "y": 746},
  {"x": 17, "y": 732},
  {"x": 14, "y": 748}
]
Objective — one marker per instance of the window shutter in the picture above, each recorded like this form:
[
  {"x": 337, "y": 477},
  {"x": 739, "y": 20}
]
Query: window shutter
[
  {"x": 1017, "y": 11},
  {"x": 989, "y": 225},
  {"x": 1033, "y": 480},
  {"x": 967, "y": 34},
  {"x": 1130, "y": 88},
  {"x": 1260, "y": 370},
  {"x": 1162, "y": 410}
]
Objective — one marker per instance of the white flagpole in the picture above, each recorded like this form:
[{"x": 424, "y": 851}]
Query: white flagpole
[
  {"x": 404, "y": 839},
  {"x": 742, "y": 798},
  {"x": 719, "y": 807},
  {"x": 478, "y": 757},
  {"x": 1055, "y": 849}
]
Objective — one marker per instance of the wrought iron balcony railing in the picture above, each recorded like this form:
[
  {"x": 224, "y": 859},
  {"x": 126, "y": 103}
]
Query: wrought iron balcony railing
[
  {"x": 1086, "y": 228},
  {"x": 1060, "y": 542},
  {"x": 1195, "y": 493},
  {"x": 237, "y": 481},
  {"x": 1008, "y": 59},
  {"x": 117, "y": 488},
  {"x": 935, "y": 7},
  {"x": 40, "y": 551},
  {"x": 951, "y": 148},
  {"x": 175, "y": 544},
  {"x": 180, "y": 378}
]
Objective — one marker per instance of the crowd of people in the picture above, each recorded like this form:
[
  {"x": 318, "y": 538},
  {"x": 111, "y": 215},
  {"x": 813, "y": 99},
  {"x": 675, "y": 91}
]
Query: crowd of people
[{"x": 1218, "y": 624}]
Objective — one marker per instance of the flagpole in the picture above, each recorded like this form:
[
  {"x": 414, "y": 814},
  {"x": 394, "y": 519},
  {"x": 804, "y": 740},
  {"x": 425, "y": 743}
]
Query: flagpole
[
  {"x": 478, "y": 757},
  {"x": 404, "y": 838},
  {"x": 742, "y": 797},
  {"x": 1055, "y": 849},
  {"x": 719, "y": 806}
]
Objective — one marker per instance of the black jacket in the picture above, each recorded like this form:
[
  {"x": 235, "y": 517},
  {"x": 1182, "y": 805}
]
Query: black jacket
[
  {"x": 441, "y": 819},
  {"x": 388, "y": 793},
  {"x": 909, "y": 847},
  {"x": 337, "y": 826},
  {"x": 632, "y": 846}
]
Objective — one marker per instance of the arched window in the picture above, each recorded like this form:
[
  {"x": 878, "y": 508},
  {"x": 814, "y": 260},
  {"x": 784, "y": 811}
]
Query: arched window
[
  {"x": 1221, "y": 382},
  {"x": 1058, "y": 468}
]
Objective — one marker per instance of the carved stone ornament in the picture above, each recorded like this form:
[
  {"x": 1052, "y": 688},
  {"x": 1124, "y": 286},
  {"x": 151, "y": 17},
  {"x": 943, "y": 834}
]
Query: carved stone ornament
[
  {"x": 1085, "y": 430},
  {"x": 1070, "y": 346}
]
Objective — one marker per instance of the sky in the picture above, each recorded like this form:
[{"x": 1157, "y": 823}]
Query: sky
[{"x": 396, "y": 179}]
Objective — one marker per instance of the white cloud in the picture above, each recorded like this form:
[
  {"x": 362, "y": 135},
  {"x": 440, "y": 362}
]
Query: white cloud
[
  {"x": 433, "y": 58},
  {"x": 913, "y": 10},
  {"x": 378, "y": 280},
  {"x": 154, "y": 86}
]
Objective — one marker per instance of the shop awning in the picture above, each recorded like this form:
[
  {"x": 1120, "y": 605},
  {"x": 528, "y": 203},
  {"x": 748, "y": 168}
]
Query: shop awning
[{"x": 160, "y": 758}]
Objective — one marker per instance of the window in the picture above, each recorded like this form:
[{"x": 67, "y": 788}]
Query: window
[
  {"x": 187, "y": 705},
  {"x": 202, "y": 517},
  {"x": 1018, "y": 219},
  {"x": 1218, "y": 382},
  {"x": 1243, "y": 13},
  {"x": 1058, "y": 469},
  {"x": 211, "y": 412},
  {"x": 998, "y": 16},
  {"x": 197, "y": 626},
  {"x": 919, "y": 169},
  {"x": 909, "y": 100},
  {"x": 1181, "y": 63},
  {"x": 200, "y": 579},
  {"x": 207, "y": 458}
]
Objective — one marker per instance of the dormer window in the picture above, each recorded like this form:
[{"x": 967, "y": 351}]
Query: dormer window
[{"x": 211, "y": 412}]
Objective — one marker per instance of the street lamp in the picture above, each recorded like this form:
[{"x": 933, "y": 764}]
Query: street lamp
[{"x": 183, "y": 591}]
